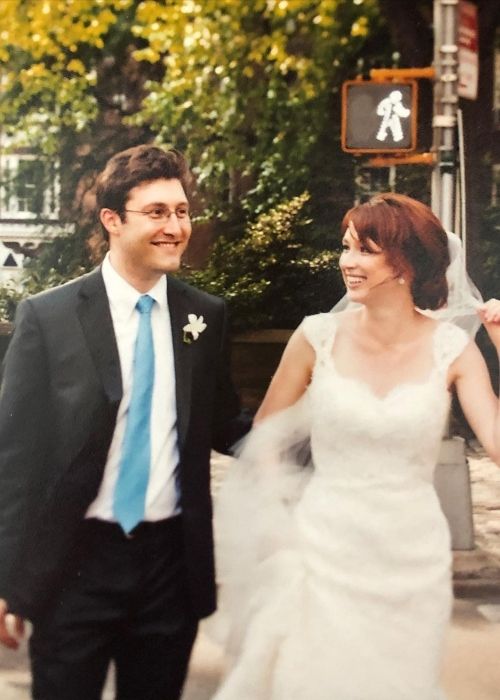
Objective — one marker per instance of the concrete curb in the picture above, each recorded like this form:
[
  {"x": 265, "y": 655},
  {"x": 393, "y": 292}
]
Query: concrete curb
[{"x": 476, "y": 572}]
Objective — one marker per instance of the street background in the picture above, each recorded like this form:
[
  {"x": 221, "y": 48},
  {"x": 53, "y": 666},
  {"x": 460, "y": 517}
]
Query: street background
[{"x": 471, "y": 669}]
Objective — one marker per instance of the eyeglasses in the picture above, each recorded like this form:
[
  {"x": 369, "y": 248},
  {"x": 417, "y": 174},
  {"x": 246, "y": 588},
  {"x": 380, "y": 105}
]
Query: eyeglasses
[{"x": 162, "y": 213}]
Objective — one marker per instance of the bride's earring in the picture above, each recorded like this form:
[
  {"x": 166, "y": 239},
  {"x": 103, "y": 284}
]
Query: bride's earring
[{"x": 401, "y": 280}]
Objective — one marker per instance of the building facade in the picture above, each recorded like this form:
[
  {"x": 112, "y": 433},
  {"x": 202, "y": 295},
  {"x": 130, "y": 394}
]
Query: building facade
[{"x": 29, "y": 207}]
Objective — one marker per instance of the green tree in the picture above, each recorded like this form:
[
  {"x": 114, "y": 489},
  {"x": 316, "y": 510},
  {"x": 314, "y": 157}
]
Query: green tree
[
  {"x": 249, "y": 90},
  {"x": 69, "y": 82}
]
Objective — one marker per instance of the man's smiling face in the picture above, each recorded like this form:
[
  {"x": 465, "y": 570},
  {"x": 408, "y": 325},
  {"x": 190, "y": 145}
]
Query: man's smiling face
[{"x": 143, "y": 248}]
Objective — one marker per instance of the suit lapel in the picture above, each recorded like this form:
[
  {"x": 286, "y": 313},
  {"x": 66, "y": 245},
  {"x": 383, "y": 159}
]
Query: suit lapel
[
  {"x": 95, "y": 318},
  {"x": 178, "y": 304}
]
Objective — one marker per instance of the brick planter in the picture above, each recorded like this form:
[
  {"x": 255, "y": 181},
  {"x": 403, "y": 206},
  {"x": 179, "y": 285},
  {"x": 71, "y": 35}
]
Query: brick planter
[{"x": 254, "y": 358}]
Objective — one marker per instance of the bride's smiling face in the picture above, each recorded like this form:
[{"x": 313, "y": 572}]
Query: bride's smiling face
[{"x": 365, "y": 268}]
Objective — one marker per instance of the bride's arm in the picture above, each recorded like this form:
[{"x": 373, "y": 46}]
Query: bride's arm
[
  {"x": 291, "y": 378},
  {"x": 471, "y": 378}
]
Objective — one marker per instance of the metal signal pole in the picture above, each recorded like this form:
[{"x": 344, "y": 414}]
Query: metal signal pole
[
  {"x": 445, "y": 111},
  {"x": 452, "y": 477}
]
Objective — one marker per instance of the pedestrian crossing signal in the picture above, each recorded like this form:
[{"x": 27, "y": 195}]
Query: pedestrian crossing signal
[{"x": 379, "y": 117}]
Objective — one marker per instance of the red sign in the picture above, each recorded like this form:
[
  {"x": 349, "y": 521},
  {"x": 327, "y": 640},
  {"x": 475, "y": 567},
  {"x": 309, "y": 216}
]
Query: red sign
[{"x": 468, "y": 59}]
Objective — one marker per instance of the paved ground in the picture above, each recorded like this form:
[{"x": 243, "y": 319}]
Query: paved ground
[
  {"x": 472, "y": 667},
  {"x": 478, "y": 572}
]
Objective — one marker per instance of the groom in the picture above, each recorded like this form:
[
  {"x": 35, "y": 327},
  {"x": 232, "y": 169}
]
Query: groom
[{"x": 115, "y": 389}]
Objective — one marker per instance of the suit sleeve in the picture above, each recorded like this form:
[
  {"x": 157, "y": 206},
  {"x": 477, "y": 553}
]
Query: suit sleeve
[
  {"x": 231, "y": 421},
  {"x": 23, "y": 415}
]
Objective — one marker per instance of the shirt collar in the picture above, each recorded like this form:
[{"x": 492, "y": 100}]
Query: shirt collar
[{"x": 123, "y": 296}]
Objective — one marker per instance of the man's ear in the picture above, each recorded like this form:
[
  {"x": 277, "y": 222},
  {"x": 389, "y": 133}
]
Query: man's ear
[{"x": 110, "y": 220}]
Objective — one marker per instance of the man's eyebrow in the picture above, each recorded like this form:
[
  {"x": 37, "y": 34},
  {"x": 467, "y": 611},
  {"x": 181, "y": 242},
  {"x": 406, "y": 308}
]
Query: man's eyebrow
[{"x": 181, "y": 203}]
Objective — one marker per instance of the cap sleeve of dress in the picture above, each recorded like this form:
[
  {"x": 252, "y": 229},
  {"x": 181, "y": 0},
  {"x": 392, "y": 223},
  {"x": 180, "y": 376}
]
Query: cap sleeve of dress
[
  {"x": 319, "y": 331},
  {"x": 450, "y": 342}
]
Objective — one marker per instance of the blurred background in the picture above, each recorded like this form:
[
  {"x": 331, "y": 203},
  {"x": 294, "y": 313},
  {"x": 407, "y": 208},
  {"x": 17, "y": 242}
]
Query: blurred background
[{"x": 251, "y": 92}]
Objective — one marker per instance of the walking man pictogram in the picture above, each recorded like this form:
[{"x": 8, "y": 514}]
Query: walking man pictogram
[{"x": 392, "y": 110}]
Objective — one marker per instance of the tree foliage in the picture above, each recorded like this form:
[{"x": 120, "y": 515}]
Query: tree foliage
[
  {"x": 247, "y": 89},
  {"x": 49, "y": 72},
  {"x": 250, "y": 91}
]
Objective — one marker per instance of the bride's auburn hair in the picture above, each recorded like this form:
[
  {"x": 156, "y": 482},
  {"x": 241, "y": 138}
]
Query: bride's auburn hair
[{"x": 412, "y": 237}]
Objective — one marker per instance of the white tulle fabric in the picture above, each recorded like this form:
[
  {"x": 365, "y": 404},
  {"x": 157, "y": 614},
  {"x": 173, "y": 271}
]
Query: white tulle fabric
[
  {"x": 464, "y": 298},
  {"x": 335, "y": 578}
]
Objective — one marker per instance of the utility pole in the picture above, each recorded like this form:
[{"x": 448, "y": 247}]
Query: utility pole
[
  {"x": 452, "y": 478},
  {"x": 445, "y": 111}
]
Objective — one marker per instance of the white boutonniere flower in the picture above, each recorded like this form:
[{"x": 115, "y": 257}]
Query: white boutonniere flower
[{"x": 193, "y": 329}]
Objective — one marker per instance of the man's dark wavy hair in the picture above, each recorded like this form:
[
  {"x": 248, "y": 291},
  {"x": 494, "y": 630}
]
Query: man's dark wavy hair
[{"x": 133, "y": 167}]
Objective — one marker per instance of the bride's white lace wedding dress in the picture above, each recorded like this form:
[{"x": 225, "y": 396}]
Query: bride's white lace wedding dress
[{"x": 337, "y": 580}]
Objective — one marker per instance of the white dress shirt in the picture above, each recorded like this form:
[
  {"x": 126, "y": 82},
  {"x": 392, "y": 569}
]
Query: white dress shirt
[{"x": 162, "y": 495}]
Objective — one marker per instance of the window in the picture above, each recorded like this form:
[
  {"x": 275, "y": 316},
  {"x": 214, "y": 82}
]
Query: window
[{"x": 29, "y": 186}]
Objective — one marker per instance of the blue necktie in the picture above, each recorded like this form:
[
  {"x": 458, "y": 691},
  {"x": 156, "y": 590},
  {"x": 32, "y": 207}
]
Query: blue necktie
[{"x": 133, "y": 476}]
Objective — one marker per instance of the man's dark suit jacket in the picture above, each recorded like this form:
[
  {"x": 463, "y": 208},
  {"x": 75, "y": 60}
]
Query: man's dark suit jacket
[{"x": 58, "y": 406}]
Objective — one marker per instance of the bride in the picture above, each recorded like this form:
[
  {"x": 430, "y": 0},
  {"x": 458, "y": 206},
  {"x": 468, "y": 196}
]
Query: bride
[{"x": 335, "y": 568}]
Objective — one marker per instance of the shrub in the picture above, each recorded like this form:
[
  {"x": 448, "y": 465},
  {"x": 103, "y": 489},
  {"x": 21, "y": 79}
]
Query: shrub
[{"x": 272, "y": 276}]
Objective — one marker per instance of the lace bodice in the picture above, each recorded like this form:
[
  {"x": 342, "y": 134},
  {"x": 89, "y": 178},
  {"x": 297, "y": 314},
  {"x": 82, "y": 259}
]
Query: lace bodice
[{"x": 359, "y": 437}]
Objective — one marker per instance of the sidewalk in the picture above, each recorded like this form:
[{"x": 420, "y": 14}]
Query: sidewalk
[
  {"x": 471, "y": 668},
  {"x": 476, "y": 573}
]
